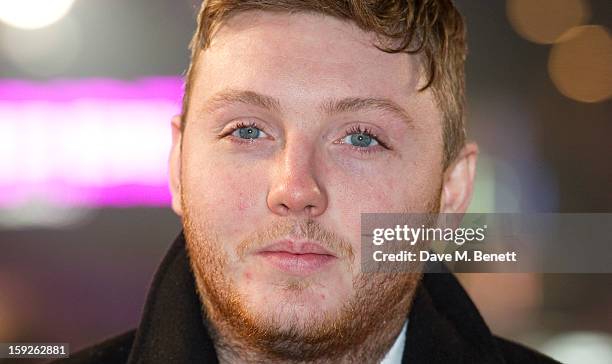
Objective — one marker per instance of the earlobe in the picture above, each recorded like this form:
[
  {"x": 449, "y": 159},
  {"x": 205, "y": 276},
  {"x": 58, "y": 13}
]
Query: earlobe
[
  {"x": 174, "y": 165},
  {"x": 458, "y": 181}
]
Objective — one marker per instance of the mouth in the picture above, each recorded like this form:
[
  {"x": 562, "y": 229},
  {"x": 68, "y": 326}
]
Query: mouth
[{"x": 300, "y": 258}]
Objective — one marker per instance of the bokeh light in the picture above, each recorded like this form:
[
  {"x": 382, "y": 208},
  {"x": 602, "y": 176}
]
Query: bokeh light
[
  {"x": 33, "y": 14},
  {"x": 580, "y": 65},
  {"x": 89, "y": 142},
  {"x": 44, "y": 52},
  {"x": 544, "y": 21},
  {"x": 581, "y": 347}
]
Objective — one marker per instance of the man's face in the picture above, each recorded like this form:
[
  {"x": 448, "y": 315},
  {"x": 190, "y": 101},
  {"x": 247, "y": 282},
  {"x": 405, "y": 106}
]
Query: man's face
[{"x": 297, "y": 125}]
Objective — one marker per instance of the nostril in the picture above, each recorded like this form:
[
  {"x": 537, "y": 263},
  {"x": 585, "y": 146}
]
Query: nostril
[
  {"x": 286, "y": 199},
  {"x": 309, "y": 209}
]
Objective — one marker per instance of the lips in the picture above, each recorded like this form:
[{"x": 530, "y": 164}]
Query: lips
[{"x": 300, "y": 258}]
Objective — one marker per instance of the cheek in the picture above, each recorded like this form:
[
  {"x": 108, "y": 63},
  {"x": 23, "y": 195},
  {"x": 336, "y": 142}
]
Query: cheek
[
  {"x": 400, "y": 187},
  {"x": 383, "y": 190},
  {"x": 224, "y": 196},
  {"x": 395, "y": 191}
]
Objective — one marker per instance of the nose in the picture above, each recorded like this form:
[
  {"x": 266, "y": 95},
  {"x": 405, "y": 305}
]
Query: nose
[{"x": 294, "y": 189}]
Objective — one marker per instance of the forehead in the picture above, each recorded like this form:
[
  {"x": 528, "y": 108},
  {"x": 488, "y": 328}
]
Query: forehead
[{"x": 305, "y": 58}]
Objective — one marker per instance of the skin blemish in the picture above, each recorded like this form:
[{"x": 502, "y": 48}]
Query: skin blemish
[{"x": 242, "y": 202}]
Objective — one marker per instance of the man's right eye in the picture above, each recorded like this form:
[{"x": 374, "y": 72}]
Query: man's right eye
[{"x": 248, "y": 132}]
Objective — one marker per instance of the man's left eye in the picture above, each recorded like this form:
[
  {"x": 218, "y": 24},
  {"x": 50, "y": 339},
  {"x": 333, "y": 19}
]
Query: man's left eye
[
  {"x": 362, "y": 140},
  {"x": 248, "y": 132}
]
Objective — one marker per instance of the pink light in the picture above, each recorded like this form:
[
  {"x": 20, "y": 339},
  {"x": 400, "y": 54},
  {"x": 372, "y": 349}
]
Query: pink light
[{"x": 89, "y": 142}]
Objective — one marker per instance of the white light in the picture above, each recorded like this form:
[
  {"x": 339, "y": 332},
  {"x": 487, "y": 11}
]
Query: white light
[
  {"x": 33, "y": 14},
  {"x": 580, "y": 347}
]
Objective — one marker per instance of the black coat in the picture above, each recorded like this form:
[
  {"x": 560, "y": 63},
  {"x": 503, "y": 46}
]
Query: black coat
[{"x": 445, "y": 326}]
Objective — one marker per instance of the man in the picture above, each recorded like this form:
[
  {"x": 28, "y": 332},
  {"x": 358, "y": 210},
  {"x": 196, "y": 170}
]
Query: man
[{"x": 297, "y": 117}]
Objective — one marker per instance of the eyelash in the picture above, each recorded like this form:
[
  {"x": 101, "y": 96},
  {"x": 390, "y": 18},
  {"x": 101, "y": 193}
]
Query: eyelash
[
  {"x": 241, "y": 125},
  {"x": 357, "y": 129}
]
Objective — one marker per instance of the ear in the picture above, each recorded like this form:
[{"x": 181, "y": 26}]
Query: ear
[
  {"x": 174, "y": 165},
  {"x": 458, "y": 180}
]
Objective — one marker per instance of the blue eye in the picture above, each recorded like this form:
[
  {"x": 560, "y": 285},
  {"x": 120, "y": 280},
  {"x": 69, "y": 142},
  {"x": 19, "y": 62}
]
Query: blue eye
[
  {"x": 248, "y": 132},
  {"x": 362, "y": 140}
]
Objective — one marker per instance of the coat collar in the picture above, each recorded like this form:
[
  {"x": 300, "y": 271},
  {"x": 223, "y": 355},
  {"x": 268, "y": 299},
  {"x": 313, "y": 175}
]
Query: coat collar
[{"x": 445, "y": 326}]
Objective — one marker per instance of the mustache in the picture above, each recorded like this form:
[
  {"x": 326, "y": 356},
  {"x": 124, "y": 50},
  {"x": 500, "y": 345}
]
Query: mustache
[{"x": 299, "y": 229}]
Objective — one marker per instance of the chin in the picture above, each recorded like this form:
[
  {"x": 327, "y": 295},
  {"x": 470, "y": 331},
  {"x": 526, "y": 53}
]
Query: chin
[{"x": 294, "y": 303}]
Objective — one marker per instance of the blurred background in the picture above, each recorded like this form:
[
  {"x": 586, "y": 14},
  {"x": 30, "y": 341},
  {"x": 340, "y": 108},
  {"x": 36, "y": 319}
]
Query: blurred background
[{"x": 87, "y": 90}]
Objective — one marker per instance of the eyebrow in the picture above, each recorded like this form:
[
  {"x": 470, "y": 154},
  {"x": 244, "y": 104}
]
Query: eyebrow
[
  {"x": 231, "y": 96},
  {"x": 355, "y": 104},
  {"x": 330, "y": 107}
]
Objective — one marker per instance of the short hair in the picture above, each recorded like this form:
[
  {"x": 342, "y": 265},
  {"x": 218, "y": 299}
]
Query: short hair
[{"x": 434, "y": 29}]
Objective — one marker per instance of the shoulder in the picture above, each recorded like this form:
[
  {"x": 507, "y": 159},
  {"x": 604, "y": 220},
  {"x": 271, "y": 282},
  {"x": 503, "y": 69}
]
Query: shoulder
[
  {"x": 517, "y": 353},
  {"x": 110, "y": 351}
]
